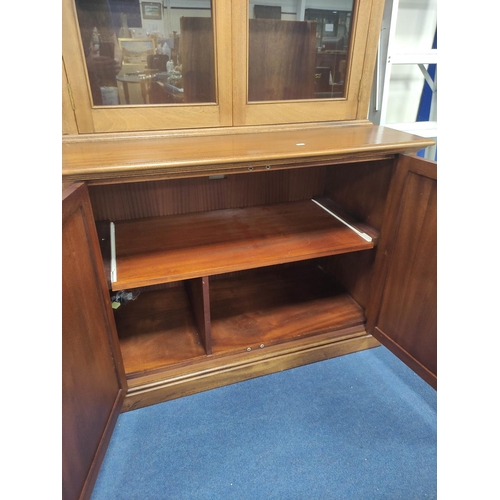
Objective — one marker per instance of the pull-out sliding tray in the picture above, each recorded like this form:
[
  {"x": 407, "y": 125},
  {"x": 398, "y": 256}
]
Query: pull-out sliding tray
[{"x": 173, "y": 248}]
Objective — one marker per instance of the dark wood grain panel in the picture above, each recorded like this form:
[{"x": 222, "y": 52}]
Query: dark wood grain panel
[
  {"x": 281, "y": 59},
  {"x": 336, "y": 209},
  {"x": 159, "y": 250},
  {"x": 211, "y": 373},
  {"x": 93, "y": 381},
  {"x": 160, "y": 198},
  {"x": 361, "y": 189},
  {"x": 278, "y": 304},
  {"x": 197, "y": 56},
  {"x": 354, "y": 271},
  {"x": 268, "y": 306},
  {"x": 409, "y": 309},
  {"x": 403, "y": 311},
  {"x": 199, "y": 294},
  {"x": 158, "y": 329}
]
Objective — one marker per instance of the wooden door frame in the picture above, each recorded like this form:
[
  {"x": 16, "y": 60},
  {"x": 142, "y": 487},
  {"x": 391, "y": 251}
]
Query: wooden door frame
[
  {"x": 91, "y": 119},
  {"x": 367, "y": 17}
]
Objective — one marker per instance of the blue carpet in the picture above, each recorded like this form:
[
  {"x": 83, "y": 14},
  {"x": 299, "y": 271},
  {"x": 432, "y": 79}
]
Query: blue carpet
[{"x": 361, "y": 426}]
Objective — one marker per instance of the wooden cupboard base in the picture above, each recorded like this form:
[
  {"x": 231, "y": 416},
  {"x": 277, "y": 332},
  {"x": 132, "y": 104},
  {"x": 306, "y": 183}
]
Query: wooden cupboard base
[{"x": 212, "y": 373}]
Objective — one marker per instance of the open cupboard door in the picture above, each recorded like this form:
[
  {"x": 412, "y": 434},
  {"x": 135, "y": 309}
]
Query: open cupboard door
[
  {"x": 94, "y": 383},
  {"x": 402, "y": 314}
]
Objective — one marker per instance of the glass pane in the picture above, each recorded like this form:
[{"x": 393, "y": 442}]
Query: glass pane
[
  {"x": 298, "y": 50},
  {"x": 148, "y": 52}
]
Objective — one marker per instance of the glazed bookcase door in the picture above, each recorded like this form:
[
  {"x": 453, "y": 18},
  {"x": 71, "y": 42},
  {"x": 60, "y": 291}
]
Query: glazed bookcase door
[
  {"x": 152, "y": 114},
  {"x": 263, "y": 107}
]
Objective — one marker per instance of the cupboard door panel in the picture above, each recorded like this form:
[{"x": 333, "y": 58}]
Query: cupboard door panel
[
  {"x": 403, "y": 314},
  {"x": 94, "y": 383}
]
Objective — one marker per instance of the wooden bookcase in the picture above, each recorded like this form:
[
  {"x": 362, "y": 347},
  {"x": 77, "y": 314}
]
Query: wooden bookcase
[
  {"x": 240, "y": 272},
  {"x": 254, "y": 236}
]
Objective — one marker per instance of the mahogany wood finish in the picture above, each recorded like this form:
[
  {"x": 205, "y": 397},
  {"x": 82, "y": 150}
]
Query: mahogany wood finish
[
  {"x": 161, "y": 250},
  {"x": 158, "y": 329},
  {"x": 361, "y": 190},
  {"x": 335, "y": 208},
  {"x": 403, "y": 313},
  {"x": 210, "y": 373},
  {"x": 354, "y": 271},
  {"x": 117, "y": 159},
  {"x": 199, "y": 295},
  {"x": 226, "y": 265},
  {"x": 243, "y": 311},
  {"x": 278, "y": 304},
  {"x": 94, "y": 383},
  {"x": 281, "y": 60},
  {"x": 181, "y": 196}
]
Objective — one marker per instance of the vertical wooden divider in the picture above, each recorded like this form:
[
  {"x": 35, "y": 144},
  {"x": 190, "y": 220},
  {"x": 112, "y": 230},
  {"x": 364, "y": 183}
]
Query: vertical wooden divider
[{"x": 198, "y": 292}]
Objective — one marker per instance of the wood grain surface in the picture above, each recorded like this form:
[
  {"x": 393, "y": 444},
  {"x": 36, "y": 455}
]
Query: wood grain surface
[
  {"x": 403, "y": 310},
  {"x": 165, "y": 249},
  {"x": 246, "y": 310},
  {"x": 193, "y": 155},
  {"x": 93, "y": 380},
  {"x": 278, "y": 304}
]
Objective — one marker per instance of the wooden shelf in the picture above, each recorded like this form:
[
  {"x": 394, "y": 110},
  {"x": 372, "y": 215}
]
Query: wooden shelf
[
  {"x": 277, "y": 304},
  {"x": 166, "y": 249},
  {"x": 248, "y": 309}
]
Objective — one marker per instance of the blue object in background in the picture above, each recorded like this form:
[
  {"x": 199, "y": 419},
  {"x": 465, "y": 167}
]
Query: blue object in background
[{"x": 424, "y": 108}]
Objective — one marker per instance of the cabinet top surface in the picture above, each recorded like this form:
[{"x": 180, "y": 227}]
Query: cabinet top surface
[{"x": 207, "y": 154}]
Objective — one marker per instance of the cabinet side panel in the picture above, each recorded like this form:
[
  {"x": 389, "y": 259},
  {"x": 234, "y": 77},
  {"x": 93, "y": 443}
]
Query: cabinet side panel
[
  {"x": 92, "y": 384},
  {"x": 361, "y": 190}
]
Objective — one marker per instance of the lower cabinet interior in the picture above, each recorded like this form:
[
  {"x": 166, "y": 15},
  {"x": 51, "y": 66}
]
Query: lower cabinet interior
[
  {"x": 241, "y": 275},
  {"x": 248, "y": 311}
]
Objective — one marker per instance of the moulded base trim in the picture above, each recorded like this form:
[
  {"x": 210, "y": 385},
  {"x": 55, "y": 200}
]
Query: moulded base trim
[{"x": 212, "y": 373}]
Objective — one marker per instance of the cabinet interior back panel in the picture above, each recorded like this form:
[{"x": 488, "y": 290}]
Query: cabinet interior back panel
[{"x": 117, "y": 202}]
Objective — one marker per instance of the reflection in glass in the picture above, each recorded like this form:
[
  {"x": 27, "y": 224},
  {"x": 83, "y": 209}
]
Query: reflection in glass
[
  {"x": 298, "y": 50},
  {"x": 138, "y": 53}
]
